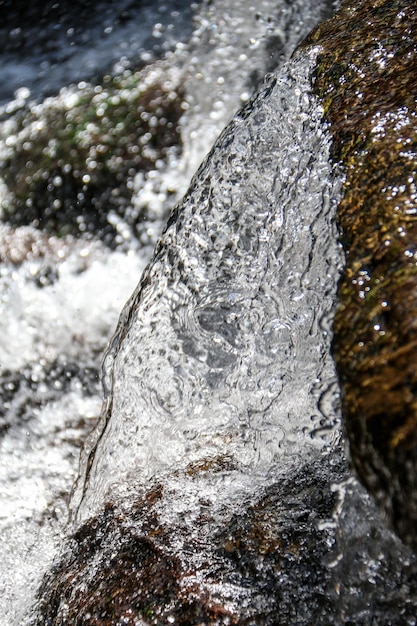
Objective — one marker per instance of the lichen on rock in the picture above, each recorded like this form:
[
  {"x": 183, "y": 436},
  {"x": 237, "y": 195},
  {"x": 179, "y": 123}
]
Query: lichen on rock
[{"x": 367, "y": 78}]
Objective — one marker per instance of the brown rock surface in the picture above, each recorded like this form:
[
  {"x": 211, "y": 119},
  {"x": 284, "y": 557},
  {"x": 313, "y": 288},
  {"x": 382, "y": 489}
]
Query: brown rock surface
[{"x": 367, "y": 78}]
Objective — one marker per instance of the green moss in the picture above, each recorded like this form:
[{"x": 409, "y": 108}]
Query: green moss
[
  {"x": 71, "y": 160},
  {"x": 367, "y": 79}
]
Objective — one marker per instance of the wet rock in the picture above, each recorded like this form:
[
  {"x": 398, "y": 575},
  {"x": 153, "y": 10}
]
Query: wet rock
[
  {"x": 68, "y": 163},
  {"x": 367, "y": 77},
  {"x": 124, "y": 566},
  {"x": 375, "y": 574},
  {"x": 284, "y": 557}
]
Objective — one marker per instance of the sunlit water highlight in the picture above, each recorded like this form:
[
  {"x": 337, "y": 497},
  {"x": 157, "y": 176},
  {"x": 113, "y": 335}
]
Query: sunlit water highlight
[
  {"x": 222, "y": 351},
  {"x": 59, "y": 306}
]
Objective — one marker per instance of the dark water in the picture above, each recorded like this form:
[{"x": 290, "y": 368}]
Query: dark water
[{"x": 46, "y": 45}]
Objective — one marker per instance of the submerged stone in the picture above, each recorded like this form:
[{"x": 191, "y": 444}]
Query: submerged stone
[
  {"x": 367, "y": 78},
  {"x": 134, "y": 565},
  {"x": 281, "y": 557}
]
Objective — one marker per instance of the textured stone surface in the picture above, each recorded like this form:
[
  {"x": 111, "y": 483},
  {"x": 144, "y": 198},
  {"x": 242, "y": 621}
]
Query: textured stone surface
[
  {"x": 124, "y": 566},
  {"x": 367, "y": 78}
]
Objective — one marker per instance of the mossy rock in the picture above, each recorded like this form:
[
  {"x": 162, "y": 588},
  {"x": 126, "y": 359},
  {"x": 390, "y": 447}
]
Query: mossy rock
[
  {"x": 367, "y": 79},
  {"x": 70, "y": 160}
]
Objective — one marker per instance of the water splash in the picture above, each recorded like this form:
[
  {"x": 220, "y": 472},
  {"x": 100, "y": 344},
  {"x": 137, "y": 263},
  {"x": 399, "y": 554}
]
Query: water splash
[
  {"x": 50, "y": 400},
  {"x": 219, "y": 349}
]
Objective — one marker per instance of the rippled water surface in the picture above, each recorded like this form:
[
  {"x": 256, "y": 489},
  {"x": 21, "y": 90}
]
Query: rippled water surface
[
  {"x": 60, "y": 299},
  {"x": 223, "y": 349}
]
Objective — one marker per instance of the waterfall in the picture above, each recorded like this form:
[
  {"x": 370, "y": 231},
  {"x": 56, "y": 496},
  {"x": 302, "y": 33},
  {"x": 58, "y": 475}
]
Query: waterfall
[
  {"x": 213, "y": 487},
  {"x": 222, "y": 351},
  {"x": 60, "y": 297}
]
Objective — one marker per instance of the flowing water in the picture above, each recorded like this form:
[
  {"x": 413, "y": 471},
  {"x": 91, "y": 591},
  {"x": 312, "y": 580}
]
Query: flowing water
[
  {"x": 222, "y": 351},
  {"x": 221, "y": 356}
]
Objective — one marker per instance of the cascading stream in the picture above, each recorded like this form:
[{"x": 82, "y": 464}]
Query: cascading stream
[
  {"x": 214, "y": 487},
  {"x": 213, "y": 382},
  {"x": 60, "y": 298},
  {"x": 221, "y": 345}
]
